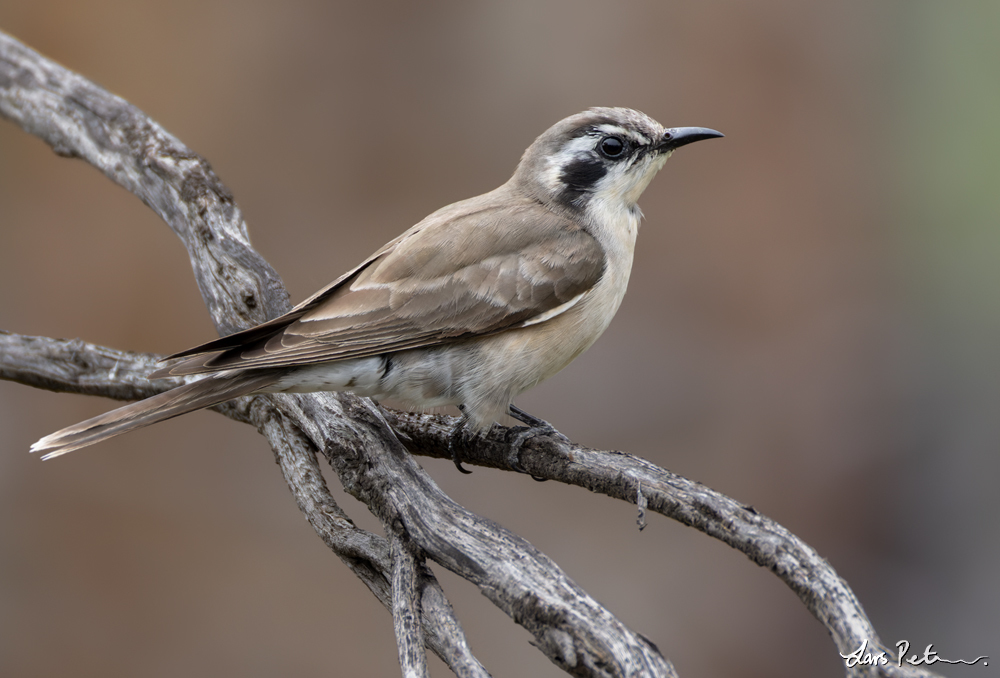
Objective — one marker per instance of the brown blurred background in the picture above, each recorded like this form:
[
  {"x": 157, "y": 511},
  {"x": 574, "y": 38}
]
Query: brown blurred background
[{"x": 813, "y": 323}]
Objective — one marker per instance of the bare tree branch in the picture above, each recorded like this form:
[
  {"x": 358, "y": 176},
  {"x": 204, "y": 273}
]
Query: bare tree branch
[
  {"x": 627, "y": 477},
  {"x": 616, "y": 474},
  {"x": 569, "y": 626},
  {"x": 359, "y": 439},
  {"x": 79, "y": 119},
  {"x": 366, "y": 554},
  {"x": 440, "y": 619},
  {"x": 75, "y": 366},
  {"x": 406, "y": 609}
]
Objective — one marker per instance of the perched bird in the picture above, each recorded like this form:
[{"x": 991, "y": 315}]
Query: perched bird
[{"x": 475, "y": 304}]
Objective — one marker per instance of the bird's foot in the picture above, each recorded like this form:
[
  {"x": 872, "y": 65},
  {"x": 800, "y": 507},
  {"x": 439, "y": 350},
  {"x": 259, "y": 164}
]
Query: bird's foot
[
  {"x": 518, "y": 435},
  {"x": 458, "y": 440}
]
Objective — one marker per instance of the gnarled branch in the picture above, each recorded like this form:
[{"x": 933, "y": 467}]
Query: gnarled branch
[{"x": 366, "y": 444}]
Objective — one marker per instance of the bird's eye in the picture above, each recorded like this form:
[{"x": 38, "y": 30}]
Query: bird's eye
[{"x": 611, "y": 147}]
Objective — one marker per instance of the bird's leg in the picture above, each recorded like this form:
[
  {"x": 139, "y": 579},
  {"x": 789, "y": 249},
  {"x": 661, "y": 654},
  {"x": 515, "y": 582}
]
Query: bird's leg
[
  {"x": 458, "y": 439},
  {"x": 518, "y": 435}
]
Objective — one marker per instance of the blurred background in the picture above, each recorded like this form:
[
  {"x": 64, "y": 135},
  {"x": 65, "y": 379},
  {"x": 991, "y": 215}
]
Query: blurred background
[{"x": 812, "y": 325}]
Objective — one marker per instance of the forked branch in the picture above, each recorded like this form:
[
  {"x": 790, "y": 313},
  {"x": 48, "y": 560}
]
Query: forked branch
[{"x": 369, "y": 447}]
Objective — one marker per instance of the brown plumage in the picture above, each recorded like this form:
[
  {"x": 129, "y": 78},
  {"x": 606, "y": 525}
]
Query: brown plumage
[
  {"x": 439, "y": 282},
  {"x": 476, "y": 303}
]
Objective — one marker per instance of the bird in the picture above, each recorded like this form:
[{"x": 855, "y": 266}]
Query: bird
[{"x": 478, "y": 302}]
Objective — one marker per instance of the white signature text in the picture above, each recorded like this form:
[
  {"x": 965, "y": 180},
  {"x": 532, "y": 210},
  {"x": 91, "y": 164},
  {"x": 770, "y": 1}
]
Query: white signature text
[{"x": 865, "y": 657}]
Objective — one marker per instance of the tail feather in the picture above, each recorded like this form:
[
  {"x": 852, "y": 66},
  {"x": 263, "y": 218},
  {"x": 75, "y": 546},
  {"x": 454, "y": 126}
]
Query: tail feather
[{"x": 187, "y": 398}]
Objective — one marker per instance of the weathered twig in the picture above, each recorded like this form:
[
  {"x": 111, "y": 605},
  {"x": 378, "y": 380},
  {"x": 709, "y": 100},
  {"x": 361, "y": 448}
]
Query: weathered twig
[
  {"x": 75, "y": 366},
  {"x": 406, "y": 609},
  {"x": 359, "y": 439}
]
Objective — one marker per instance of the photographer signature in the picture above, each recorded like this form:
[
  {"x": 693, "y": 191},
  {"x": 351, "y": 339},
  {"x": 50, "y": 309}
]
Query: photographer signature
[{"x": 863, "y": 657}]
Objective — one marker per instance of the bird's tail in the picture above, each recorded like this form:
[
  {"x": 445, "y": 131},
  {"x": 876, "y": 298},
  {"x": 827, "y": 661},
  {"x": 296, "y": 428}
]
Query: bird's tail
[{"x": 193, "y": 396}]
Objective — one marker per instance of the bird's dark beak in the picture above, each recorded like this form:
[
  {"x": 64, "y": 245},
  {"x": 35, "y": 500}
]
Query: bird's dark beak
[{"x": 675, "y": 137}]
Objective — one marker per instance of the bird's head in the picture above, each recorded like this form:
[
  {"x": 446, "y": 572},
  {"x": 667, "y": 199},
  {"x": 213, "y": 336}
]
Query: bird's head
[{"x": 608, "y": 154}]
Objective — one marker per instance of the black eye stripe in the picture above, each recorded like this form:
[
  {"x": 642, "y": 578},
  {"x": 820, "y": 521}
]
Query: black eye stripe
[
  {"x": 583, "y": 173},
  {"x": 580, "y": 177}
]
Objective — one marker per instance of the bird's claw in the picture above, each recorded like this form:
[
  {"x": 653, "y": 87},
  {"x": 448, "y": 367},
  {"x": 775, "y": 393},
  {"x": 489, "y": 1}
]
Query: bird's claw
[
  {"x": 518, "y": 435},
  {"x": 458, "y": 440},
  {"x": 515, "y": 437}
]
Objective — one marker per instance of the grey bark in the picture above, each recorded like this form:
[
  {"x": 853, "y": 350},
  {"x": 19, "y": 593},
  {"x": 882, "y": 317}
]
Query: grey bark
[
  {"x": 370, "y": 447},
  {"x": 406, "y": 609}
]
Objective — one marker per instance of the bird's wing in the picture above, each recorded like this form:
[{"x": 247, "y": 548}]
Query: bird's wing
[{"x": 458, "y": 274}]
